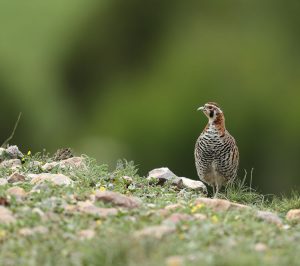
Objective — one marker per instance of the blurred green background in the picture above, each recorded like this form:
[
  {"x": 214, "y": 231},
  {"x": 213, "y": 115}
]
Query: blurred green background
[{"x": 122, "y": 79}]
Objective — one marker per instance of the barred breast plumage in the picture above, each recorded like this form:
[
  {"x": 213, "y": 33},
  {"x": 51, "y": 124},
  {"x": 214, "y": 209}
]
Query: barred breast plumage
[{"x": 216, "y": 152}]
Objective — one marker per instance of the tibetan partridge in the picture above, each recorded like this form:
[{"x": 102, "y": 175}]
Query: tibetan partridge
[{"x": 216, "y": 152}]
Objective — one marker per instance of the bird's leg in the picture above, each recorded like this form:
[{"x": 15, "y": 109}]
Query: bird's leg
[
  {"x": 213, "y": 187},
  {"x": 217, "y": 191}
]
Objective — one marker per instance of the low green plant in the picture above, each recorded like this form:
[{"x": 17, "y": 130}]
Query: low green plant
[{"x": 214, "y": 238}]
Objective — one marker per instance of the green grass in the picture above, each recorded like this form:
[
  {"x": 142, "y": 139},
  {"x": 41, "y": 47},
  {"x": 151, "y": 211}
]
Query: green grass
[
  {"x": 224, "y": 238},
  {"x": 239, "y": 191}
]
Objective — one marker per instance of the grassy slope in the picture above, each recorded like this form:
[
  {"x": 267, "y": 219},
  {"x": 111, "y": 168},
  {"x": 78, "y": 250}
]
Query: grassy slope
[{"x": 222, "y": 239}]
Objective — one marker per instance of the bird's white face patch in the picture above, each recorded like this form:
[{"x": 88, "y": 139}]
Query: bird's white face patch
[{"x": 211, "y": 111}]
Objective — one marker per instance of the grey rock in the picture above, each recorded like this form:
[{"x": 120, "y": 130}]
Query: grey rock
[
  {"x": 26, "y": 232},
  {"x": 6, "y": 216},
  {"x": 260, "y": 247},
  {"x": 35, "y": 164},
  {"x": 50, "y": 216},
  {"x": 13, "y": 164},
  {"x": 200, "y": 216},
  {"x": 40, "y": 187},
  {"x": 74, "y": 162},
  {"x": 56, "y": 179},
  {"x": 32, "y": 231},
  {"x": 192, "y": 184},
  {"x": 220, "y": 204},
  {"x": 293, "y": 215},
  {"x": 49, "y": 166},
  {"x": 269, "y": 217},
  {"x": 158, "y": 231},
  {"x": 52, "y": 203},
  {"x": 178, "y": 217},
  {"x": 89, "y": 208},
  {"x": 151, "y": 205},
  {"x": 174, "y": 206},
  {"x": 3, "y": 182},
  {"x": 117, "y": 199},
  {"x": 17, "y": 192},
  {"x": 14, "y": 152},
  {"x": 40, "y": 230},
  {"x": 162, "y": 175},
  {"x": 86, "y": 234}
]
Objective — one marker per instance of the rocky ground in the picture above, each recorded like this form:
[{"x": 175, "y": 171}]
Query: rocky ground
[{"x": 69, "y": 210}]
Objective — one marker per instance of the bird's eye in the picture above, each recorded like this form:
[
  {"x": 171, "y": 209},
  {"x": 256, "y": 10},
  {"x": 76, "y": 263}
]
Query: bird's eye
[{"x": 209, "y": 107}]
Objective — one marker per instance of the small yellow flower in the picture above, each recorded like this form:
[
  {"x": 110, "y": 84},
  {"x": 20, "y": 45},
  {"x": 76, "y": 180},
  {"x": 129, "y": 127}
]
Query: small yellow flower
[
  {"x": 181, "y": 236},
  {"x": 2, "y": 234},
  {"x": 102, "y": 189},
  {"x": 214, "y": 219},
  {"x": 98, "y": 222},
  {"x": 196, "y": 208},
  {"x": 29, "y": 153}
]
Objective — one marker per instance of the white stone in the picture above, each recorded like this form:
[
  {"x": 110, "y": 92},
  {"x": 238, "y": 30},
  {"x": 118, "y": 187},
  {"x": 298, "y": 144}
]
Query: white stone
[
  {"x": 260, "y": 247},
  {"x": 86, "y": 234},
  {"x": 293, "y": 215},
  {"x": 174, "y": 206},
  {"x": 269, "y": 217},
  {"x": 3, "y": 182},
  {"x": 6, "y": 217},
  {"x": 57, "y": 179},
  {"x": 73, "y": 162},
  {"x": 220, "y": 204},
  {"x": 157, "y": 231},
  {"x": 118, "y": 199},
  {"x": 162, "y": 175},
  {"x": 35, "y": 164},
  {"x": 89, "y": 208},
  {"x": 35, "y": 230},
  {"x": 16, "y": 192},
  {"x": 14, "y": 152},
  {"x": 13, "y": 163},
  {"x": 192, "y": 184}
]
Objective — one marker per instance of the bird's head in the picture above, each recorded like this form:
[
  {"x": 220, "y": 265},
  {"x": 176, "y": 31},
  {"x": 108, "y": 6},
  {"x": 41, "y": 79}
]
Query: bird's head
[
  {"x": 214, "y": 113},
  {"x": 211, "y": 110}
]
